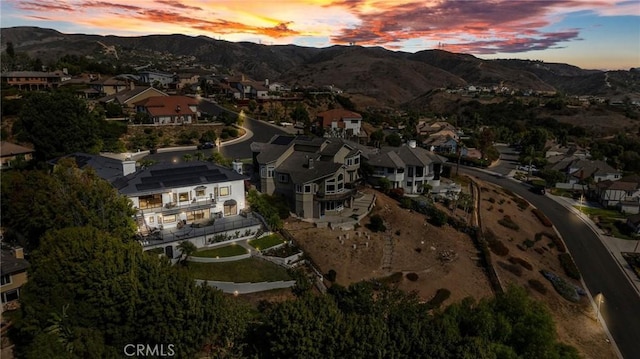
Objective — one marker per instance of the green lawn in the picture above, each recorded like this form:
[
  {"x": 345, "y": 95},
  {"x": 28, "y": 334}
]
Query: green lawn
[
  {"x": 605, "y": 213},
  {"x": 246, "y": 270},
  {"x": 266, "y": 242},
  {"x": 226, "y": 251}
]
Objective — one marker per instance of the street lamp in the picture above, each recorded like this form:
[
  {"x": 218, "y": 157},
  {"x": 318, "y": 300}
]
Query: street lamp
[
  {"x": 599, "y": 300},
  {"x": 581, "y": 201}
]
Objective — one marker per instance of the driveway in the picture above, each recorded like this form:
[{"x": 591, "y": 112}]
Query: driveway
[{"x": 620, "y": 307}]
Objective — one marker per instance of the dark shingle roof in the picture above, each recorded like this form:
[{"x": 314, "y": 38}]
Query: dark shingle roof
[
  {"x": 9, "y": 264},
  {"x": 296, "y": 166},
  {"x": 107, "y": 168},
  {"x": 168, "y": 175}
]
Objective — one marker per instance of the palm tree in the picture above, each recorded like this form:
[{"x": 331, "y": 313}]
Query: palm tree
[{"x": 186, "y": 250}]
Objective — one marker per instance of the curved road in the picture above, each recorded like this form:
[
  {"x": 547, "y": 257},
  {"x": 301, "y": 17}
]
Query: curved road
[{"x": 620, "y": 307}]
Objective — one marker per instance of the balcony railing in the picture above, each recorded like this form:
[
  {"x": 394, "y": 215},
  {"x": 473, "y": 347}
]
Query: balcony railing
[
  {"x": 173, "y": 207},
  {"x": 335, "y": 196}
]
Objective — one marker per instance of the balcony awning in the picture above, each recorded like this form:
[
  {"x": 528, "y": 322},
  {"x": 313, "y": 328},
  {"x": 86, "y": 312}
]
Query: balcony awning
[{"x": 230, "y": 202}]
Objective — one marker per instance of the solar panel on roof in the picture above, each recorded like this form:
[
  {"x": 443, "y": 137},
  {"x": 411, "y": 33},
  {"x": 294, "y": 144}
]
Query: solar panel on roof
[
  {"x": 282, "y": 140},
  {"x": 181, "y": 182},
  {"x": 215, "y": 178},
  {"x": 148, "y": 186}
]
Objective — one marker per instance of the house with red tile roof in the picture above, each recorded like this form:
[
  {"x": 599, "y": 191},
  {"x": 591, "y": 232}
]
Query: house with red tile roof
[
  {"x": 169, "y": 110},
  {"x": 340, "y": 123}
]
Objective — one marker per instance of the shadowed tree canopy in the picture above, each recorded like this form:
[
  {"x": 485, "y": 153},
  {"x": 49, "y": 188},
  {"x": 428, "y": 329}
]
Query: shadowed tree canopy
[
  {"x": 34, "y": 202},
  {"x": 94, "y": 294},
  {"x": 57, "y": 124}
]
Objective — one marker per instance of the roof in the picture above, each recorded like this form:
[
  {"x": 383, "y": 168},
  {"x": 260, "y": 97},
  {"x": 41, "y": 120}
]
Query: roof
[
  {"x": 9, "y": 264},
  {"x": 583, "y": 168},
  {"x": 125, "y": 96},
  {"x": 31, "y": 74},
  {"x": 168, "y": 105},
  {"x": 106, "y": 168},
  {"x": 296, "y": 166},
  {"x": 336, "y": 115},
  {"x": 400, "y": 157},
  {"x": 165, "y": 176},
  {"x": 11, "y": 149}
]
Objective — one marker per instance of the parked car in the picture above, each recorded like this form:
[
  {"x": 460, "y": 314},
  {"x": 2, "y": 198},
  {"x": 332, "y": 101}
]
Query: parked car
[
  {"x": 538, "y": 190},
  {"x": 206, "y": 145}
]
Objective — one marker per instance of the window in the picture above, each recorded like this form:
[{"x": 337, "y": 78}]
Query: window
[
  {"x": 355, "y": 121},
  {"x": 391, "y": 170},
  {"x": 270, "y": 171},
  {"x": 6, "y": 279},
  {"x": 10, "y": 296},
  {"x": 283, "y": 178},
  {"x": 150, "y": 201},
  {"x": 340, "y": 182},
  {"x": 169, "y": 219},
  {"x": 225, "y": 191},
  {"x": 152, "y": 220},
  {"x": 200, "y": 192},
  {"x": 356, "y": 160},
  {"x": 263, "y": 171},
  {"x": 330, "y": 186},
  {"x": 409, "y": 184},
  {"x": 410, "y": 171},
  {"x": 183, "y": 196},
  {"x": 400, "y": 170},
  {"x": 307, "y": 188},
  {"x": 298, "y": 188},
  {"x": 195, "y": 215},
  {"x": 419, "y": 171}
]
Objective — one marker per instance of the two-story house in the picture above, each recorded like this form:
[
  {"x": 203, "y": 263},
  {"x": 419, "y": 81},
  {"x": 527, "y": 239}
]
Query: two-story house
[
  {"x": 153, "y": 78},
  {"x": 316, "y": 175},
  {"x": 581, "y": 170},
  {"x": 128, "y": 98},
  {"x": 169, "y": 110},
  {"x": 624, "y": 193},
  {"x": 169, "y": 195},
  {"x": 408, "y": 167},
  {"x": 13, "y": 272},
  {"x": 340, "y": 123},
  {"x": 34, "y": 80}
]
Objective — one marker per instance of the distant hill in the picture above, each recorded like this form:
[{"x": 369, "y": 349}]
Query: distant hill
[{"x": 389, "y": 77}]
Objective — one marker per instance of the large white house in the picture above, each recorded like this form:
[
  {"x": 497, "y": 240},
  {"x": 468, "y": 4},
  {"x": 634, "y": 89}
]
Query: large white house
[{"x": 169, "y": 195}]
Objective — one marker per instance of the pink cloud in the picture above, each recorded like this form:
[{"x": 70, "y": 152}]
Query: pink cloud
[
  {"x": 178, "y": 5},
  {"x": 43, "y": 6}
]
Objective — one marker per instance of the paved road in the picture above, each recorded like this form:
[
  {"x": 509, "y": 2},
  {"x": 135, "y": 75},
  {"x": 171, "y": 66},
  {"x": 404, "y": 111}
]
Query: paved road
[
  {"x": 259, "y": 131},
  {"x": 621, "y": 304},
  {"x": 508, "y": 160}
]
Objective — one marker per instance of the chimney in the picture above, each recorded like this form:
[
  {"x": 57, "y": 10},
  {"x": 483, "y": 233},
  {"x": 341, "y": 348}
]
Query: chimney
[
  {"x": 128, "y": 166},
  {"x": 132, "y": 85},
  {"x": 237, "y": 166},
  {"x": 309, "y": 163},
  {"x": 18, "y": 252},
  {"x": 266, "y": 82},
  {"x": 412, "y": 143}
]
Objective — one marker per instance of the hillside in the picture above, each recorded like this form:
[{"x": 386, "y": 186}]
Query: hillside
[{"x": 387, "y": 77}]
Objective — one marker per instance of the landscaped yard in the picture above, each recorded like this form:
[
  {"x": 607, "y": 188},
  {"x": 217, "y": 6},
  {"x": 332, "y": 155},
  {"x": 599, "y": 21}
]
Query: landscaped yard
[
  {"x": 242, "y": 271},
  {"x": 226, "y": 251},
  {"x": 600, "y": 212},
  {"x": 266, "y": 242}
]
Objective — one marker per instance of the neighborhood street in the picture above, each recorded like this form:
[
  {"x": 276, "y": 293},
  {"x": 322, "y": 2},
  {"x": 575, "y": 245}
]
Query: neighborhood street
[{"x": 620, "y": 306}]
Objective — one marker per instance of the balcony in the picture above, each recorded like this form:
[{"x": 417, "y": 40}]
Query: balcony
[
  {"x": 173, "y": 207},
  {"x": 347, "y": 193}
]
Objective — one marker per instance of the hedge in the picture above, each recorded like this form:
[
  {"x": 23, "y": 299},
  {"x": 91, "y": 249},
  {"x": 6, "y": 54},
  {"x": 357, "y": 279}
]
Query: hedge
[
  {"x": 511, "y": 268},
  {"x": 538, "y": 286},
  {"x": 442, "y": 294},
  {"x": 569, "y": 265},
  {"x": 522, "y": 262},
  {"x": 506, "y": 221},
  {"x": 542, "y": 217},
  {"x": 498, "y": 247}
]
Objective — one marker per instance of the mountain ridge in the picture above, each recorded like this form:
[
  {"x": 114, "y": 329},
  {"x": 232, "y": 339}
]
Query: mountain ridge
[{"x": 391, "y": 77}]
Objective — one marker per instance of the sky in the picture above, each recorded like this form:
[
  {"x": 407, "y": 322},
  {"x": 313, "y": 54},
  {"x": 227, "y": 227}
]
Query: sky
[{"x": 592, "y": 34}]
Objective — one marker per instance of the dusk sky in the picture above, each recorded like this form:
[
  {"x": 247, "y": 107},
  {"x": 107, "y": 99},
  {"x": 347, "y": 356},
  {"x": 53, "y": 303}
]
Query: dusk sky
[{"x": 594, "y": 34}]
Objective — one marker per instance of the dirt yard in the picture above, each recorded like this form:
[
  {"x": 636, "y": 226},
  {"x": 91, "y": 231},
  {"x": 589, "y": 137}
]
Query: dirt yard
[
  {"x": 575, "y": 322},
  {"x": 446, "y": 258}
]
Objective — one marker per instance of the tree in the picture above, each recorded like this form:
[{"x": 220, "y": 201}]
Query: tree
[
  {"x": 186, "y": 249},
  {"x": 377, "y": 137},
  {"x": 57, "y": 124},
  {"x": 34, "y": 202},
  {"x": 10, "y": 50},
  {"x": 393, "y": 140},
  {"x": 114, "y": 294},
  {"x": 299, "y": 115},
  {"x": 208, "y": 136}
]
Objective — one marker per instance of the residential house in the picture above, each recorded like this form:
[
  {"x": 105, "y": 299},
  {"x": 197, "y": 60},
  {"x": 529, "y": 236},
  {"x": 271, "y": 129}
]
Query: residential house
[
  {"x": 128, "y": 98},
  {"x": 169, "y": 195},
  {"x": 111, "y": 86},
  {"x": 426, "y": 128},
  {"x": 623, "y": 193},
  {"x": 34, "y": 80},
  {"x": 156, "y": 79},
  {"x": 566, "y": 151},
  {"x": 341, "y": 123},
  {"x": 582, "y": 170},
  {"x": 184, "y": 80},
  {"x": 13, "y": 273},
  {"x": 408, "y": 167},
  {"x": 441, "y": 144},
  {"x": 317, "y": 175},
  {"x": 10, "y": 152},
  {"x": 634, "y": 223},
  {"x": 169, "y": 110}
]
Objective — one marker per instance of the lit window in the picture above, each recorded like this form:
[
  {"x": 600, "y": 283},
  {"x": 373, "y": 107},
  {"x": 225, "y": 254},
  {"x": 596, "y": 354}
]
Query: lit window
[
  {"x": 184, "y": 196},
  {"x": 225, "y": 191}
]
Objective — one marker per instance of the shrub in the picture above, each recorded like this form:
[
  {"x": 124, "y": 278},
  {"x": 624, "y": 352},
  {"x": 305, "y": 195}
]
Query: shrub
[
  {"x": 490, "y": 208},
  {"x": 331, "y": 275},
  {"x": 528, "y": 243},
  {"x": 538, "y": 286},
  {"x": 394, "y": 278},
  {"x": 442, "y": 294},
  {"x": 521, "y": 202},
  {"x": 542, "y": 218},
  {"x": 492, "y": 200},
  {"x": 538, "y": 236},
  {"x": 500, "y": 210},
  {"x": 412, "y": 276},
  {"x": 539, "y": 250},
  {"x": 406, "y": 202},
  {"x": 501, "y": 201},
  {"x": 498, "y": 248},
  {"x": 438, "y": 218},
  {"x": 511, "y": 268},
  {"x": 506, "y": 221},
  {"x": 520, "y": 261},
  {"x": 396, "y": 193},
  {"x": 376, "y": 224},
  {"x": 569, "y": 265},
  {"x": 398, "y": 232},
  {"x": 557, "y": 242}
]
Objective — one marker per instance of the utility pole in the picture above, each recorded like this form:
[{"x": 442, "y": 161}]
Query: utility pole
[{"x": 531, "y": 149}]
